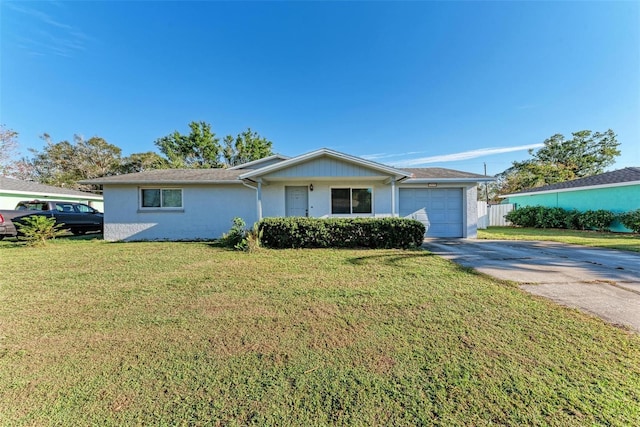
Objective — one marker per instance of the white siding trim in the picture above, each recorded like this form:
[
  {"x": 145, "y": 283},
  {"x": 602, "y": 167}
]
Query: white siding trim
[
  {"x": 89, "y": 196},
  {"x": 393, "y": 197}
]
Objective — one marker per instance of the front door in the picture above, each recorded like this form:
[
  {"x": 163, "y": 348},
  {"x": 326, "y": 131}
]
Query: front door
[{"x": 296, "y": 201}]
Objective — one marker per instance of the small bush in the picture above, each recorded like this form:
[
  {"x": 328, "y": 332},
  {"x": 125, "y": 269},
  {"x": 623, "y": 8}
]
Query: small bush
[
  {"x": 251, "y": 241},
  {"x": 236, "y": 234},
  {"x": 37, "y": 229},
  {"x": 241, "y": 239},
  {"x": 573, "y": 220},
  {"x": 551, "y": 218},
  {"x": 631, "y": 220},
  {"x": 526, "y": 216},
  {"x": 597, "y": 220},
  {"x": 302, "y": 232}
]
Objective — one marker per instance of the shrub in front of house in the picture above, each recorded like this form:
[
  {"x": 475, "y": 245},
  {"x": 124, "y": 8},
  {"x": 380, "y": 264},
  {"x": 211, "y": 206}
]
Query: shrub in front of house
[
  {"x": 240, "y": 238},
  {"x": 551, "y": 217},
  {"x": 527, "y": 216},
  {"x": 573, "y": 220},
  {"x": 631, "y": 220},
  {"x": 236, "y": 234},
  {"x": 37, "y": 229},
  {"x": 597, "y": 219},
  {"x": 302, "y": 232}
]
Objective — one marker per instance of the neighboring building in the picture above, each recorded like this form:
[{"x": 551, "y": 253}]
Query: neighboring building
[
  {"x": 617, "y": 191},
  {"x": 13, "y": 191},
  {"x": 177, "y": 204}
]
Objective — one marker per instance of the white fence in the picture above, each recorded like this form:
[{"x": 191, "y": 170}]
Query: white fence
[{"x": 492, "y": 215}]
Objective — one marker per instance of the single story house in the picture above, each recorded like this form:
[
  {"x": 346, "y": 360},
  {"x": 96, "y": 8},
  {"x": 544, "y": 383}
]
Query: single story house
[
  {"x": 617, "y": 191},
  {"x": 184, "y": 204},
  {"x": 13, "y": 191}
]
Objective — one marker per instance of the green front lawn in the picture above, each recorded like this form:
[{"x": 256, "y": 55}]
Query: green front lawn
[
  {"x": 96, "y": 333},
  {"x": 622, "y": 241}
]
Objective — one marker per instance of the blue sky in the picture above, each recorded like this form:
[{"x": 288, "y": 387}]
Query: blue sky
[{"x": 448, "y": 84}]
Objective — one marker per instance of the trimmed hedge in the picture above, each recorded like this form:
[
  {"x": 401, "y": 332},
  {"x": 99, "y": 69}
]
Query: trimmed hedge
[
  {"x": 631, "y": 220},
  {"x": 302, "y": 232},
  {"x": 549, "y": 217}
]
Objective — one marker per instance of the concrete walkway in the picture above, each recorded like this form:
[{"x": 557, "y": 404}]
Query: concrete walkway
[{"x": 602, "y": 282}]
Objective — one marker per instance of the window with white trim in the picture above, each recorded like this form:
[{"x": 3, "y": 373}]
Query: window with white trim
[
  {"x": 161, "y": 198},
  {"x": 351, "y": 201}
]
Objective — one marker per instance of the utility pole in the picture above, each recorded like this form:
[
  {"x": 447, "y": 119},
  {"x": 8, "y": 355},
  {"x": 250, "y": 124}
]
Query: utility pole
[{"x": 486, "y": 183}]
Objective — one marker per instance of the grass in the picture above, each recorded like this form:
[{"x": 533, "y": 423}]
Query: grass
[
  {"x": 96, "y": 333},
  {"x": 621, "y": 241}
]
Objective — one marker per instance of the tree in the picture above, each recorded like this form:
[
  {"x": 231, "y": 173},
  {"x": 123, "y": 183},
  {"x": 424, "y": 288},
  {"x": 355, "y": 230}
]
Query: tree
[
  {"x": 21, "y": 169},
  {"x": 488, "y": 192},
  {"x": 246, "y": 147},
  {"x": 200, "y": 149},
  {"x": 99, "y": 157},
  {"x": 63, "y": 164},
  {"x": 561, "y": 159},
  {"x": 140, "y": 162},
  {"x": 8, "y": 149}
]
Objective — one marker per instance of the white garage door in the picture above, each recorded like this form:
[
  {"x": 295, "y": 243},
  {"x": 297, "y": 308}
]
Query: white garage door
[{"x": 439, "y": 209}]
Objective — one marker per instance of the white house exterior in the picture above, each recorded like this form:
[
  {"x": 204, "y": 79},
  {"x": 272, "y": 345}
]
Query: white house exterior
[
  {"x": 13, "y": 191},
  {"x": 179, "y": 204}
]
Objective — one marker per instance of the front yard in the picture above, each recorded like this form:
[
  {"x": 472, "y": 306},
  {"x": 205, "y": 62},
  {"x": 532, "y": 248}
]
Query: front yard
[
  {"x": 96, "y": 333},
  {"x": 620, "y": 241}
]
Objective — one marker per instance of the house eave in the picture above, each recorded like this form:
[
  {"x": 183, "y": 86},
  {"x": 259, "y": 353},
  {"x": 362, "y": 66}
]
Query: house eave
[
  {"x": 446, "y": 180},
  {"x": 53, "y": 195},
  {"x": 326, "y": 178},
  {"x": 166, "y": 182},
  {"x": 565, "y": 190}
]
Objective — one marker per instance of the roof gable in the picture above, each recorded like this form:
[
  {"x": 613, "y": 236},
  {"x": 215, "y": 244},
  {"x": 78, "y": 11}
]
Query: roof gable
[
  {"x": 325, "y": 167},
  {"x": 260, "y": 163},
  {"x": 325, "y": 163}
]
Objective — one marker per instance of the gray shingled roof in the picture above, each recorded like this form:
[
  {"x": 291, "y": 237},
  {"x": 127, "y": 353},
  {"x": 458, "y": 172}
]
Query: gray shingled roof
[
  {"x": 17, "y": 185},
  {"x": 619, "y": 176},
  {"x": 211, "y": 176},
  {"x": 442, "y": 173},
  {"x": 171, "y": 176}
]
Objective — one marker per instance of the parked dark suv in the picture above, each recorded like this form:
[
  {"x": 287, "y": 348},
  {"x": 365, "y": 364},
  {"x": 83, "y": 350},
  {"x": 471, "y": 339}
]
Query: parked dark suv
[{"x": 76, "y": 217}]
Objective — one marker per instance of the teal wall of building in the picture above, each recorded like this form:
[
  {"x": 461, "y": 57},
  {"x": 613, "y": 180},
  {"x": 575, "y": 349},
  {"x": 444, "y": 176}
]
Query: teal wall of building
[{"x": 614, "y": 199}]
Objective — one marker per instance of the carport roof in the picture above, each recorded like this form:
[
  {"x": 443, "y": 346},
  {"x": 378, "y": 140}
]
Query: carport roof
[
  {"x": 18, "y": 186},
  {"x": 173, "y": 176}
]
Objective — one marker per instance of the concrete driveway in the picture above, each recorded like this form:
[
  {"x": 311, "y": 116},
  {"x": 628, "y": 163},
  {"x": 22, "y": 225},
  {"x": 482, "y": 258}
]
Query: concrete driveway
[{"x": 602, "y": 282}]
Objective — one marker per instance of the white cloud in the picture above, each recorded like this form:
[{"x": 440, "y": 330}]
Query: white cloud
[
  {"x": 465, "y": 155},
  {"x": 48, "y": 35}
]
